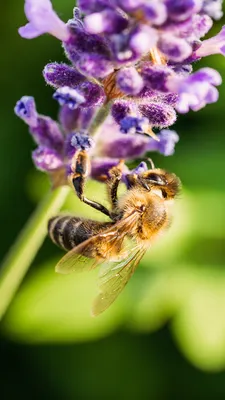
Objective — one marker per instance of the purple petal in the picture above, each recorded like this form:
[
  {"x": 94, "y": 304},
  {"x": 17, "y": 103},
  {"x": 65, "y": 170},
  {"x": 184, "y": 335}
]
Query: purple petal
[
  {"x": 212, "y": 45},
  {"x": 26, "y": 109},
  {"x": 81, "y": 141},
  {"x": 196, "y": 90},
  {"x": 48, "y": 134},
  {"x": 129, "y": 81},
  {"x": 167, "y": 140},
  {"x": 43, "y": 19},
  {"x": 130, "y": 5},
  {"x": 180, "y": 10},
  {"x": 213, "y": 8},
  {"x": 47, "y": 159},
  {"x": 58, "y": 75},
  {"x": 68, "y": 118},
  {"x": 134, "y": 125},
  {"x": 70, "y": 97},
  {"x": 123, "y": 146}
]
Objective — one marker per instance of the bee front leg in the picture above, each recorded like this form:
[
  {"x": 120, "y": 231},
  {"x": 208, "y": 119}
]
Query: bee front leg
[
  {"x": 80, "y": 171},
  {"x": 115, "y": 174}
]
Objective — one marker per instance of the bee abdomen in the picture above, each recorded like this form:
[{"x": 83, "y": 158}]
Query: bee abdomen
[
  {"x": 63, "y": 230},
  {"x": 67, "y": 232}
]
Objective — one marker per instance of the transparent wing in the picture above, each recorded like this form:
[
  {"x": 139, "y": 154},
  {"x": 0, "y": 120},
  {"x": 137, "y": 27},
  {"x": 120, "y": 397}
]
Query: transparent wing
[
  {"x": 113, "y": 278},
  {"x": 98, "y": 248}
]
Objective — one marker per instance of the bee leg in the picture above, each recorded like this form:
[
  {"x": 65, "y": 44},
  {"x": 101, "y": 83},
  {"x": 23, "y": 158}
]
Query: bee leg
[
  {"x": 113, "y": 183},
  {"x": 81, "y": 167}
]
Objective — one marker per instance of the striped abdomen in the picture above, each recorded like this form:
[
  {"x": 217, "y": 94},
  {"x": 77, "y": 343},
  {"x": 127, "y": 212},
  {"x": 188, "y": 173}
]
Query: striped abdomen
[{"x": 67, "y": 232}]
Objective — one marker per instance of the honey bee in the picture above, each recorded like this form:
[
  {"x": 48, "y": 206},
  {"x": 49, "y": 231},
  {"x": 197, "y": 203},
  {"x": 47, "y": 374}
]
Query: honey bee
[{"x": 137, "y": 217}]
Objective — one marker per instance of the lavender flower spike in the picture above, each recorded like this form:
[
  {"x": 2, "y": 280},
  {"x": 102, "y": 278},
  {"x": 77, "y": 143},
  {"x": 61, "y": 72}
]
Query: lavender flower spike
[
  {"x": 213, "y": 45},
  {"x": 43, "y": 19}
]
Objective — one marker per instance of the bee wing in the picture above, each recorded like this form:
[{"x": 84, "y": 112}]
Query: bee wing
[
  {"x": 113, "y": 278},
  {"x": 80, "y": 257}
]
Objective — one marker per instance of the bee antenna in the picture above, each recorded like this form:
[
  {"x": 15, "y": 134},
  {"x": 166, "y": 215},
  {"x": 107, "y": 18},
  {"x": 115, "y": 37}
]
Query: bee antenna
[{"x": 150, "y": 162}]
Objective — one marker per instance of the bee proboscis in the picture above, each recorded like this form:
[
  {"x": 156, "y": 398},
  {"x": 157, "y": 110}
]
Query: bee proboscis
[{"x": 139, "y": 215}]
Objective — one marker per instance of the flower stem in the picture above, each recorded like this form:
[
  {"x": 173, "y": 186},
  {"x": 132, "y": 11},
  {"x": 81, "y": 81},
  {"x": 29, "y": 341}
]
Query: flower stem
[
  {"x": 100, "y": 117},
  {"x": 25, "y": 248}
]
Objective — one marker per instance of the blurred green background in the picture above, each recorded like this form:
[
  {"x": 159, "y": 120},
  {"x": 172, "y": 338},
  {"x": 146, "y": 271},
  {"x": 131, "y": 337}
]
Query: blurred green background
[{"x": 164, "y": 338}]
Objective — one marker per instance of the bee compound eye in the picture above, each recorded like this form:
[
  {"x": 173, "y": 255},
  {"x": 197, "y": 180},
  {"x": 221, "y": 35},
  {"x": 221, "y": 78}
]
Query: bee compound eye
[{"x": 156, "y": 178}]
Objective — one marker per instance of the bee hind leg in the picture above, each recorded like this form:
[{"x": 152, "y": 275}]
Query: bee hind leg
[{"x": 80, "y": 171}]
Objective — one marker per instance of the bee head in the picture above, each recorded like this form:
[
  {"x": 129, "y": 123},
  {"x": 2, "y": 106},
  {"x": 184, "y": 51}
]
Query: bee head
[{"x": 157, "y": 178}]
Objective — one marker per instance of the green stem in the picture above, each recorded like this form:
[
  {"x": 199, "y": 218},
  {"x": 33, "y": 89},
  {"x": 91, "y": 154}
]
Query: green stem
[
  {"x": 100, "y": 117},
  {"x": 25, "y": 248}
]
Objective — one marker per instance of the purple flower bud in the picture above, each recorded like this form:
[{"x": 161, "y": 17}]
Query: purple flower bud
[
  {"x": 43, "y": 19},
  {"x": 142, "y": 39},
  {"x": 180, "y": 10},
  {"x": 129, "y": 81},
  {"x": 155, "y": 12},
  {"x": 191, "y": 29},
  {"x": 155, "y": 76},
  {"x": 201, "y": 24},
  {"x": 93, "y": 93},
  {"x": 58, "y": 75},
  {"x": 213, "y": 8},
  {"x": 81, "y": 141},
  {"x": 108, "y": 21},
  {"x": 88, "y": 94},
  {"x": 165, "y": 145},
  {"x": 169, "y": 98},
  {"x": 130, "y": 45},
  {"x": 174, "y": 48},
  {"x": 120, "y": 109},
  {"x": 134, "y": 125},
  {"x": 94, "y": 65},
  {"x": 142, "y": 167},
  {"x": 26, "y": 109},
  {"x": 47, "y": 159},
  {"x": 213, "y": 45},
  {"x": 47, "y": 134},
  {"x": 158, "y": 114},
  {"x": 70, "y": 97},
  {"x": 196, "y": 90},
  {"x": 81, "y": 42}
]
